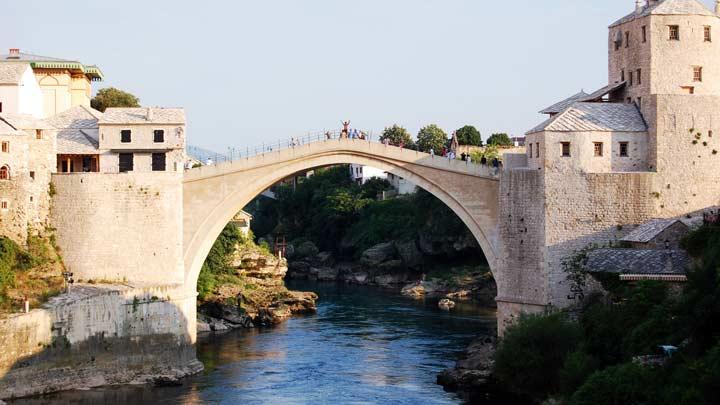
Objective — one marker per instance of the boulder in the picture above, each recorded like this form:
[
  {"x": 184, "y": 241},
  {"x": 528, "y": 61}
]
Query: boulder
[
  {"x": 360, "y": 277},
  {"x": 414, "y": 290},
  {"x": 446, "y": 304},
  {"x": 218, "y": 326},
  {"x": 378, "y": 254},
  {"x": 387, "y": 280},
  {"x": 306, "y": 249},
  {"x": 202, "y": 326},
  {"x": 409, "y": 253},
  {"x": 390, "y": 265},
  {"x": 327, "y": 274},
  {"x": 325, "y": 259}
]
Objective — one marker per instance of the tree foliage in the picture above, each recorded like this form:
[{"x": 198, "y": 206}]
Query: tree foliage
[
  {"x": 397, "y": 135},
  {"x": 431, "y": 137},
  {"x": 469, "y": 135},
  {"x": 112, "y": 97},
  {"x": 500, "y": 139}
]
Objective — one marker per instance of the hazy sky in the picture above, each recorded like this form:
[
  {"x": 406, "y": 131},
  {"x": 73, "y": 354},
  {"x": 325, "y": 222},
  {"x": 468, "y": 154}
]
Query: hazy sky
[{"x": 248, "y": 71}]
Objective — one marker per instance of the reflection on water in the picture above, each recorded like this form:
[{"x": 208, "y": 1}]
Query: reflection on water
[{"x": 363, "y": 345}]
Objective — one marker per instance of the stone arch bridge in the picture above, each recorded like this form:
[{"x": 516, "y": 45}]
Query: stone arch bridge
[{"x": 213, "y": 194}]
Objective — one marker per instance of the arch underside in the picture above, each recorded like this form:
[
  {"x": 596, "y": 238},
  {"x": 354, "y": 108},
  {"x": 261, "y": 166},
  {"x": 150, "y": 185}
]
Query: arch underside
[{"x": 211, "y": 202}]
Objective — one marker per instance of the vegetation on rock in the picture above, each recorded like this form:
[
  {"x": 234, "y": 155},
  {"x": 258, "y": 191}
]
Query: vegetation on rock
[{"x": 112, "y": 97}]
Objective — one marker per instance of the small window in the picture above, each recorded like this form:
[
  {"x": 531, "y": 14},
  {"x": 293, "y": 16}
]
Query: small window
[
  {"x": 688, "y": 89},
  {"x": 631, "y": 78},
  {"x": 565, "y": 149},
  {"x": 697, "y": 73},
  {"x": 674, "y": 32},
  {"x": 4, "y": 205},
  {"x": 158, "y": 162},
  {"x": 125, "y": 162},
  {"x": 4, "y": 173},
  {"x": 38, "y": 134},
  {"x": 627, "y": 39},
  {"x": 708, "y": 33},
  {"x": 158, "y": 136},
  {"x": 537, "y": 149},
  {"x": 710, "y": 134},
  {"x": 623, "y": 149},
  {"x": 6, "y": 147},
  {"x": 125, "y": 136},
  {"x": 622, "y": 75},
  {"x": 598, "y": 146},
  {"x": 32, "y": 174},
  {"x": 0, "y": 107},
  {"x": 530, "y": 150},
  {"x": 639, "y": 76},
  {"x": 643, "y": 30},
  {"x": 31, "y": 199}
]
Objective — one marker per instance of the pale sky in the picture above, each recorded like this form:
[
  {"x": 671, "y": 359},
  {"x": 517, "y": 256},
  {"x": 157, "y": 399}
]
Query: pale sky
[{"x": 254, "y": 71}]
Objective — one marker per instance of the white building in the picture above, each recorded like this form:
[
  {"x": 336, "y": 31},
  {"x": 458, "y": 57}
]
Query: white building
[
  {"x": 361, "y": 174},
  {"x": 19, "y": 90}
]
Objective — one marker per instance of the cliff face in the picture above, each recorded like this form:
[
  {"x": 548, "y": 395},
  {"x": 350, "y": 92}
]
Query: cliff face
[{"x": 253, "y": 294}]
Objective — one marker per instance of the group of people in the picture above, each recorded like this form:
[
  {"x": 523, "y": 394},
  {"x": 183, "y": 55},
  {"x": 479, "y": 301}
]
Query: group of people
[{"x": 347, "y": 132}]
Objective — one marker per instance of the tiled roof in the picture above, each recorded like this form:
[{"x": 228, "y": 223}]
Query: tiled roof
[
  {"x": 75, "y": 141},
  {"x": 638, "y": 261},
  {"x": 37, "y": 61},
  {"x": 28, "y": 57},
  {"x": 649, "y": 230},
  {"x": 602, "y": 92},
  {"x": 604, "y": 117},
  {"x": 668, "y": 7},
  {"x": 25, "y": 121},
  {"x": 561, "y": 105},
  {"x": 11, "y": 73},
  {"x": 79, "y": 116},
  {"x": 140, "y": 115}
]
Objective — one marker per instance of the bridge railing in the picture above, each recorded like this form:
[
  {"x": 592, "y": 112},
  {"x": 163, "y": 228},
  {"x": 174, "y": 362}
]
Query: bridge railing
[{"x": 234, "y": 154}]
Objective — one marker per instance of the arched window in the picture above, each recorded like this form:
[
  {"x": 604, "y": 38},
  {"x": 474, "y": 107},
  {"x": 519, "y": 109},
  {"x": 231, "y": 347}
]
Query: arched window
[{"x": 4, "y": 173}]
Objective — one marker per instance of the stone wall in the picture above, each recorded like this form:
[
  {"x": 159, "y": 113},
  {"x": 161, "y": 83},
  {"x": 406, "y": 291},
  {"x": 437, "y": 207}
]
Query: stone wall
[
  {"x": 98, "y": 335},
  {"x": 126, "y": 226}
]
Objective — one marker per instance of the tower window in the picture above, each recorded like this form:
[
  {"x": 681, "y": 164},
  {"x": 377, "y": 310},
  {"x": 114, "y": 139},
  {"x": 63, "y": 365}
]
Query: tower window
[
  {"x": 0, "y": 107},
  {"x": 4, "y": 173},
  {"x": 530, "y": 150},
  {"x": 627, "y": 39},
  {"x": 126, "y": 162},
  {"x": 565, "y": 149},
  {"x": 4, "y": 205},
  {"x": 697, "y": 73},
  {"x": 158, "y": 162},
  {"x": 32, "y": 174},
  {"x": 639, "y": 76},
  {"x": 38, "y": 134},
  {"x": 631, "y": 78},
  {"x": 537, "y": 149},
  {"x": 623, "y": 149},
  {"x": 158, "y": 135},
  {"x": 708, "y": 33},
  {"x": 6, "y": 146},
  {"x": 674, "y": 31},
  {"x": 125, "y": 136},
  {"x": 622, "y": 75},
  {"x": 644, "y": 33},
  {"x": 598, "y": 147}
]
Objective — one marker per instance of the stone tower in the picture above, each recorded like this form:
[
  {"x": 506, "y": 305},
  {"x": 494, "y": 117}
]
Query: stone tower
[{"x": 668, "y": 55}]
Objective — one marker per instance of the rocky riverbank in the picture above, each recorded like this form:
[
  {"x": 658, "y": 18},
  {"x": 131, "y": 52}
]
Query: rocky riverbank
[
  {"x": 253, "y": 294},
  {"x": 409, "y": 266}
]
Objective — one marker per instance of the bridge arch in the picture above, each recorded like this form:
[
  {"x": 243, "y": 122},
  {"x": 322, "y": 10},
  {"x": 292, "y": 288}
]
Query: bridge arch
[{"x": 213, "y": 194}]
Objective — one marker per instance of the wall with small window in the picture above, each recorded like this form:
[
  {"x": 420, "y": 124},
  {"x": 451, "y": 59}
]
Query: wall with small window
[
  {"x": 591, "y": 152},
  {"x": 141, "y": 136}
]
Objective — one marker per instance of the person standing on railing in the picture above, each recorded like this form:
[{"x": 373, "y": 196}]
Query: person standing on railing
[
  {"x": 328, "y": 135},
  {"x": 346, "y": 127}
]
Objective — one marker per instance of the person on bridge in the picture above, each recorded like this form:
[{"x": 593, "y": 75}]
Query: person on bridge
[
  {"x": 346, "y": 126},
  {"x": 328, "y": 135},
  {"x": 432, "y": 152}
]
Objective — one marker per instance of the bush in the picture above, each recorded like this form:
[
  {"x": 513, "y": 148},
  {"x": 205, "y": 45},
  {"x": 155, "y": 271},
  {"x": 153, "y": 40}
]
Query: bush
[
  {"x": 469, "y": 135},
  {"x": 578, "y": 366},
  {"x": 532, "y": 353},
  {"x": 624, "y": 384}
]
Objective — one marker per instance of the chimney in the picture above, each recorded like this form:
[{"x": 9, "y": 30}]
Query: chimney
[
  {"x": 149, "y": 116},
  {"x": 639, "y": 6},
  {"x": 14, "y": 53}
]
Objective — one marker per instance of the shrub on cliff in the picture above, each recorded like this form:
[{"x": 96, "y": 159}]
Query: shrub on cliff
[
  {"x": 12, "y": 259},
  {"x": 532, "y": 353},
  {"x": 624, "y": 384}
]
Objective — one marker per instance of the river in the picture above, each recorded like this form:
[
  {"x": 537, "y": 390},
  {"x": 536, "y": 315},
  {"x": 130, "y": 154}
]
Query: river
[{"x": 364, "y": 345}]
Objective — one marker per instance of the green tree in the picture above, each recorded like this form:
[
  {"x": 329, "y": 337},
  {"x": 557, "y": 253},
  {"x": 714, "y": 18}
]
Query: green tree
[
  {"x": 397, "y": 134},
  {"x": 112, "y": 97},
  {"x": 431, "y": 137},
  {"x": 469, "y": 135},
  {"x": 500, "y": 139}
]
